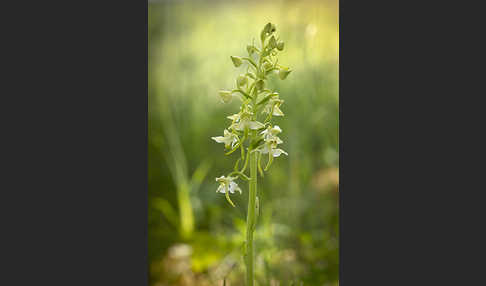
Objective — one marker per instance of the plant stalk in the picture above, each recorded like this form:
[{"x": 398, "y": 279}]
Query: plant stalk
[{"x": 251, "y": 221}]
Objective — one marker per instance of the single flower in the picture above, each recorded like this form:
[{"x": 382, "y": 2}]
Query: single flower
[
  {"x": 237, "y": 61},
  {"x": 227, "y": 185},
  {"x": 244, "y": 120},
  {"x": 251, "y": 49},
  {"x": 270, "y": 134},
  {"x": 241, "y": 80},
  {"x": 229, "y": 139},
  {"x": 225, "y": 95},
  {"x": 283, "y": 73},
  {"x": 272, "y": 43},
  {"x": 271, "y": 147},
  {"x": 273, "y": 106},
  {"x": 267, "y": 65}
]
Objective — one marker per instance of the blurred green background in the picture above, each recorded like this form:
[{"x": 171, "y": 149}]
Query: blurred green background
[{"x": 195, "y": 236}]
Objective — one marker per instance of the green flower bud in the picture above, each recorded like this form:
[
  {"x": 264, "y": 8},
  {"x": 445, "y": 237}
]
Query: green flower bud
[
  {"x": 225, "y": 95},
  {"x": 265, "y": 52},
  {"x": 263, "y": 36},
  {"x": 273, "y": 28},
  {"x": 260, "y": 84},
  {"x": 269, "y": 28},
  {"x": 272, "y": 43},
  {"x": 283, "y": 73},
  {"x": 267, "y": 65},
  {"x": 241, "y": 80},
  {"x": 250, "y": 49},
  {"x": 280, "y": 45},
  {"x": 251, "y": 74},
  {"x": 237, "y": 61}
]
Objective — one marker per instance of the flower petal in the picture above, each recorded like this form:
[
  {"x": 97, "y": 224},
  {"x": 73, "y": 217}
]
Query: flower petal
[
  {"x": 255, "y": 125},
  {"x": 219, "y": 139},
  {"x": 221, "y": 189},
  {"x": 276, "y": 129},
  {"x": 232, "y": 187},
  {"x": 234, "y": 116},
  {"x": 277, "y": 111},
  {"x": 277, "y": 152}
]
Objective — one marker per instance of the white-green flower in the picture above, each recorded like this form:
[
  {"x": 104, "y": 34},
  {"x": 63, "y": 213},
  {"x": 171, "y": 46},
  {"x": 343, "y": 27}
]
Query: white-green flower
[
  {"x": 270, "y": 147},
  {"x": 227, "y": 185},
  {"x": 244, "y": 120},
  {"x": 271, "y": 141},
  {"x": 271, "y": 133},
  {"x": 274, "y": 104},
  {"x": 229, "y": 139}
]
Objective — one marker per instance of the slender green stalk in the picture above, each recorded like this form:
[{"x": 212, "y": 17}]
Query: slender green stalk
[{"x": 250, "y": 221}]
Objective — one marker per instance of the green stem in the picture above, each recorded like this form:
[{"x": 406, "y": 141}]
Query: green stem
[{"x": 250, "y": 221}]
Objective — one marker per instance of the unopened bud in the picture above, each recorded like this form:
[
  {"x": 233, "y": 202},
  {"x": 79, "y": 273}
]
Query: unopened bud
[
  {"x": 250, "y": 49},
  {"x": 283, "y": 73},
  {"x": 237, "y": 61},
  {"x": 280, "y": 45},
  {"x": 267, "y": 28},
  {"x": 273, "y": 28},
  {"x": 260, "y": 84},
  {"x": 267, "y": 65},
  {"x": 225, "y": 95},
  {"x": 241, "y": 80},
  {"x": 272, "y": 43}
]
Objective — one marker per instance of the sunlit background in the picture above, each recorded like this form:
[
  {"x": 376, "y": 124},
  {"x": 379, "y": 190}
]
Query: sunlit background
[{"x": 195, "y": 236}]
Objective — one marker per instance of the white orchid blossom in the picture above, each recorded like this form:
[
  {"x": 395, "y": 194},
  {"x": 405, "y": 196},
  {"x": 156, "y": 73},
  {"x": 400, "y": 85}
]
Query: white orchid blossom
[
  {"x": 274, "y": 104},
  {"x": 229, "y": 139},
  {"x": 226, "y": 184},
  {"x": 244, "y": 120},
  {"x": 270, "y": 146},
  {"x": 271, "y": 133},
  {"x": 271, "y": 141}
]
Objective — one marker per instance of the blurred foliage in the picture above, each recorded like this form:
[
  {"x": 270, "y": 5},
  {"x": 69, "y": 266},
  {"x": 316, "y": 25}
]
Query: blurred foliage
[{"x": 195, "y": 236}]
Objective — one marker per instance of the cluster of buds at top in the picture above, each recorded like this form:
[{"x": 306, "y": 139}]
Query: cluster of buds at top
[{"x": 251, "y": 129}]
